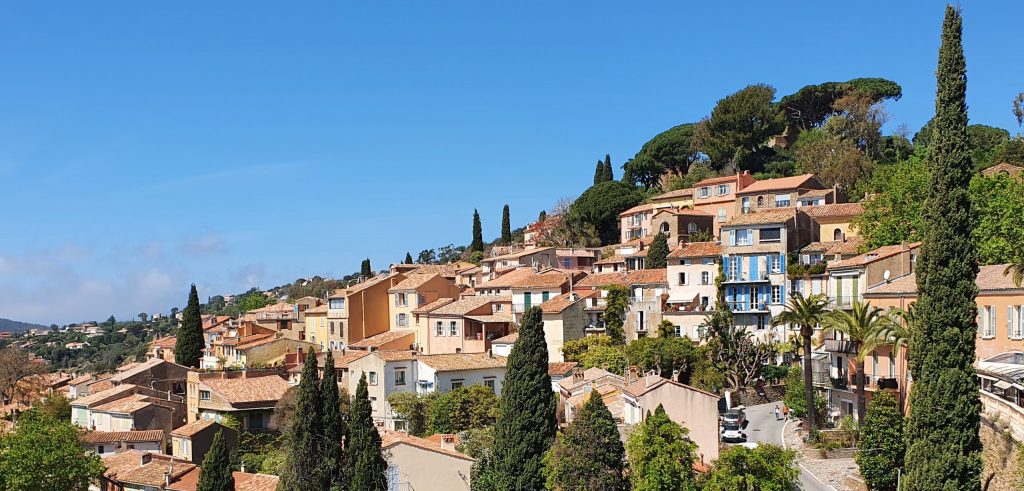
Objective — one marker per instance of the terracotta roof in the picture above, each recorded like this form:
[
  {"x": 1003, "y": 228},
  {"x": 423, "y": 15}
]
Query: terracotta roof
[
  {"x": 341, "y": 360},
  {"x": 429, "y": 307},
  {"x": 509, "y": 339},
  {"x": 1010, "y": 169},
  {"x": 614, "y": 259},
  {"x": 392, "y": 438},
  {"x": 167, "y": 342},
  {"x": 127, "y": 366},
  {"x": 902, "y": 285},
  {"x": 376, "y": 280},
  {"x": 469, "y": 304},
  {"x": 455, "y": 362},
  {"x": 610, "y": 394},
  {"x": 778, "y": 184},
  {"x": 815, "y": 193},
  {"x": 96, "y": 437},
  {"x": 991, "y": 279},
  {"x": 121, "y": 390},
  {"x": 557, "y": 304},
  {"x": 560, "y": 368},
  {"x": 527, "y": 277},
  {"x": 378, "y": 340},
  {"x": 487, "y": 318},
  {"x": 573, "y": 252},
  {"x": 277, "y": 307},
  {"x": 249, "y": 390},
  {"x": 873, "y": 255},
  {"x": 637, "y": 209},
  {"x": 697, "y": 249},
  {"x": 81, "y": 379},
  {"x": 649, "y": 383},
  {"x": 824, "y": 246},
  {"x": 678, "y": 193},
  {"x": 516, "y": 255},
  {"x": 244, "y": 481},
  {"x": 255, "y": 340},
  {"x": 193, "y": 428},
  {"x": 395, "y": 355},
  {"x": 763, "y": 217},
  {"x": 141, "y": 368},
  {"x": 625, "y": 278},
  {"x": 319, "y": 309},
  {"x": 647, "y": 276},
  {"x": 126, "y": 405},
  {"x": 413, "y": 281},
  {"x": 714, "y": 180},
  {"x": 445, "y": 270},
  {"x": 589, "y": 376},
  {"x": 127, "y": 467},
  {"x": 835, "y": 210}
]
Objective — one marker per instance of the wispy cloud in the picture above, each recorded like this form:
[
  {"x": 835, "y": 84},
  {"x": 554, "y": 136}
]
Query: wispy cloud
[
  {"x": 207, "y": 244},
  {"x": 232, "y": 174}
]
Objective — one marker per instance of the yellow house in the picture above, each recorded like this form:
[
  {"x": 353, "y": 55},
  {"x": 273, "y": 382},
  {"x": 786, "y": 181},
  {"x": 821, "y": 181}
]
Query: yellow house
[
  {"x": 834, "y": 221},
  {"x": 317, "y": 329},
  {"x": 680, "y": 198},
  {"x": 415, "y": 291},
  {"x": 361, "y": 310}
]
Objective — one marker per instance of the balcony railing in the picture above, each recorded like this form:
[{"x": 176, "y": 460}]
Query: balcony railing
[
  {"x": 748, "y": 306},
  {"x": 887, "y": 383},
  {"x": 845, "y": 302},
  {"x": 840, "y": 346},
  {"x": 519, "y": 308},
  {"x": 761, "y": 276}
]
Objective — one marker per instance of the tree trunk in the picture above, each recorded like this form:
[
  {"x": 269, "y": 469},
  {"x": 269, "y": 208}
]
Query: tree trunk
[
  {"x": 808, "y": 376},
  {"x": 861, "y": 401}
]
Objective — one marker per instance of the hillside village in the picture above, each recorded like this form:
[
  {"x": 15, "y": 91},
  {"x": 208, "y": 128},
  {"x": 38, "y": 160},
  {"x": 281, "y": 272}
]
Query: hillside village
[{"x": 752, "y": 310}]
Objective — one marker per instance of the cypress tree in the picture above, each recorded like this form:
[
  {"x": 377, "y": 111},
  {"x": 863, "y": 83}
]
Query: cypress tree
[
  {"x": 408, "y": 258},
  {"x": 216, "y": 469},
  {"x": 365, "y": 270},
  {"x": 608, "y": 175},
  {"x": 599, "y": 172},
  {"x": 526, "y": 422},
  {"x": 188, "y": 347},
  {"x": 943, "y": 446},
  {"x": 365, "y": 467},
  {"x": 305, "y": 437},
  {"x": 333, "y": 426},
  {"x": 657, "y": 253},
  {"x": 478, "y": 234},
  {"x": 881, "y": 438},
  {"x": 543, "y": 215},
  {"x": 589, "y": 454},
  {"x": 506, "y": 227}
]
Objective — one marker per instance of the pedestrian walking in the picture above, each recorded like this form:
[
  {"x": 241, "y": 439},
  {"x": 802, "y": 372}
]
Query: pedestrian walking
[
  {"x": 777, "y": 414},
  {"x": 785, "y": 411}
]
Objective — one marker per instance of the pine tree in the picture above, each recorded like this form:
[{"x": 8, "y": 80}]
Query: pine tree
[
  {"x": 478, "y": 235},
  {"x": 408, "y": 258},
  {"x": 599, "y": 173},
  {"x": 661, "y": 455},
  {"x": 589, "y": 454},
  {"x": 333, "y": 426},
  {"x": 608, "y": 174},
  {"x": 526, "y": 422},
  {"x": 542, "y": 216},
  {"x": 365, "y": 467},
  {"x": 943, "y": 446},
  {"x": 216, "y": 469},
  {"x": 188, "y": 348},
  {"x": 881, "y": 441},
  {"x": 365, "y": 270},
  {"x": 657, "y": 253},
  {"x": 306, "y": 434},
  {"x": 506, "y": 227}
]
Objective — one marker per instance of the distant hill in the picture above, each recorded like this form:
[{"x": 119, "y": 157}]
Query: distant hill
[{"x": 15, "y": 326}]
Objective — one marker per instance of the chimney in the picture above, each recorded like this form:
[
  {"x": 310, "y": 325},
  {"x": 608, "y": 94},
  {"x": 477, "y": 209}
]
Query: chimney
[
  {"x": 577, "y": 377},
  {"x": 146, "y": 458},
  {"x": 633, "y": 373},
  {"x": 448, "y": 441}
]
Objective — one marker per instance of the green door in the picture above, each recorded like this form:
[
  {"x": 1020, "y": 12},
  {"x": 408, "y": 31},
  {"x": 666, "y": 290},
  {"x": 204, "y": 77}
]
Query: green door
[{"x": 526, "y": 300}]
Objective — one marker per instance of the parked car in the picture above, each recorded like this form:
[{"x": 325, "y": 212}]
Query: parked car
[
  {"x": 733, "y": 433},
  {"x": 735, "y": 416}
]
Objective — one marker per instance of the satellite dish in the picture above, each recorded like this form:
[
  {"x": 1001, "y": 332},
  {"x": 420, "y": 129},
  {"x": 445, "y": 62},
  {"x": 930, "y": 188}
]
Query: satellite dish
[{"x": 886, "y": 275}]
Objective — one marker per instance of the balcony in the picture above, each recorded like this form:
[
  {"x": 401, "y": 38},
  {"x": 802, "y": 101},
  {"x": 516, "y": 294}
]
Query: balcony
[
  {"x": 840, "y": 346},
  {"x": 845, "y": 302},
  {"x": 887, "y": 383},
  {"x": 519, "y": 308},
  {"x": 744, "y": 307},
  {"x": 761, "y": 277}
]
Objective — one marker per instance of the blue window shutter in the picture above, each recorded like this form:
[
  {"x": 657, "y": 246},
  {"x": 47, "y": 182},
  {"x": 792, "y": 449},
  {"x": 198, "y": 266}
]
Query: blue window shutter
[
  {"x": 782, "y": 294},
  {"x": 739, "y": 266},
  {"x": 725, "y": 265},
  {"x": 753, "y": 267},
  {"x": 782, "y": 262}
]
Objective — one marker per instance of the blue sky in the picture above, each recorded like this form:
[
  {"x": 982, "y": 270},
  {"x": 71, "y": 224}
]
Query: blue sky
[{"x": 148, "y": 145}]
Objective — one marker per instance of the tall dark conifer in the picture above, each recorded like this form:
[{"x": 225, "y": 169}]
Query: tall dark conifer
[
  {"x": 365, "y": 269},
  {"x": 526, "y": 423},
  {"x": 589, "y": 453},
  {"x": 408, "y": 258},
  {"x": 188, "y": 347},
  {"x": 302, "y": 471},
  {"x": 477, "y": 245},
  {"x": 657, "y": 253},
  {"x": 365, "y": 467},
  {"x": 334, "y": 427},
  {"x": 943, "y": 446},
  {"x": 599, "y": 173},
  {"x": 506, "y": 227},
  {"x": 216, "y": 468},
  {"x": 608, "y": 174}
]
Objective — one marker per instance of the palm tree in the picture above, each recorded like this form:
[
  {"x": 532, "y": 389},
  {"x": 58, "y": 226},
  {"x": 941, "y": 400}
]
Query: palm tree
[
  {"x": 860, "y": 325},
  {"x": 896, "y": 332},
  {"x": 805, "y": 312},
  {"x": 1017, "y": 269}
]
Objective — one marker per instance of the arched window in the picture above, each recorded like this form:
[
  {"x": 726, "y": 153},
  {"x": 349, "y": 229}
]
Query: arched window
[
  {"x": 760, "y": 201},
  {"x": 664, "y": 228},
  {"x": 837, "y": 234},
  {"x": 691, "y": 228}
]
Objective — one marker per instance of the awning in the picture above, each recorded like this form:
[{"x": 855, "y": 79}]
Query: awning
[{"x": 1002, "y": 385}]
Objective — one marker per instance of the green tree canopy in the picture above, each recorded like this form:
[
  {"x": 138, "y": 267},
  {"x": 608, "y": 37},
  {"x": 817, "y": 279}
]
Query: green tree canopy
[
  {"x": 661, "y": 455},
  {"x": 463, "y": 409},
  {"x": 810, "y": 106},
  {"x": 334, "y": 427},
  {"x": 588, "y": 455},
  {"x": 216, "y": 468},
  {"x": 764, "y": 468},
  {"x": 998, "y": 204},
  {"x": 673, "y": 357},
  {"x": 188, "y": 347},
  {"x": 616, "y": 305},
  {"x": 43, "y": 453},
  {"x": 601, "y": 205},
  {"x": 739, "y": 128},
  {"x": 305, "y": 438},
  {"x": 477, "y": 244},
  {"x": 881, "y": 443},
  {"x": 365, "y": 466},
  {"x": 506, "y": 227},
  {"x": 657, "y": 252},
  {"x": 985, "y": 141}
]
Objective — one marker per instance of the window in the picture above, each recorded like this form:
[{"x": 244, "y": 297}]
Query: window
[
  {"x": 733, "y": 268},
  {"x": 776, "y": 261},
  {"x": 682, "y": 279},
  {"x": 336, "y": 304},
  {"x": 401, "y": 300},
  {"x": 723, "y": 189},
  {"x": 705, "y": 277},
  {"x": 708, "y": 261},
  {"x": 371, "y": 378},
  {"x": 100, "y": 450},
  {"x": 400, "y": 376},
  {"x": 332, "y": 328},
  {"x": 204, "y": 395},
  {"x": 837, "y": 234},
  {"x": 760, "y": 201},
  {"x": 781, "y": 200},
  {"x": 489, "y": 383},
  {"x": 664, "y": 228},
  {"x": 678, "y": 331},
  {"x": 721, "y": 214},
  {"x": 691, "y": 228},
  {"x": 762, "y": 322},
  {"x": 744, "y": 237},
  {"x": 771, "y": 234},
  {"x": 439, "y": 328},
  {"x": 776, "y": 294},
  {"x": 456, "y": 384},
  {"x": 453, "y": 328},
  {"x": 401, "y": 320},
  {"x": 703, "y": 192},
  {"x": 131, "y": 447}
]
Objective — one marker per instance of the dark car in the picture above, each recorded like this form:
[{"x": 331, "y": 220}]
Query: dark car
[{"x": 735, "y": 416}]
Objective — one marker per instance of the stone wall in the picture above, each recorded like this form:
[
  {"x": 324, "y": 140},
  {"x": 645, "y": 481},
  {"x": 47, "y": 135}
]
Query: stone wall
[
  {"x": 750, "y": 397},
  {"x": 1001, "y": 458}
]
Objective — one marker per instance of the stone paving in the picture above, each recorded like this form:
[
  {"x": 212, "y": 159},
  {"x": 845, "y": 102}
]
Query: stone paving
[{"x": 840, "y": 473}]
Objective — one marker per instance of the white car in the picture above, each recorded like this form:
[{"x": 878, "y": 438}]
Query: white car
[{"x": 733, "y": 433}]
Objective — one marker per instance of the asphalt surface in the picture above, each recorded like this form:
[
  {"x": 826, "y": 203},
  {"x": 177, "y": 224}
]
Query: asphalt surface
[{"x": 764, "y": 428}]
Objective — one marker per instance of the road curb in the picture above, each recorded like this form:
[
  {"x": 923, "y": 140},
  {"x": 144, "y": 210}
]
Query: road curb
[{"x": 801, "y": 466}]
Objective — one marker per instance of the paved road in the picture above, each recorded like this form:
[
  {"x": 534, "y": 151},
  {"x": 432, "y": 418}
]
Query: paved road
[{"x": 764, "y": 428}]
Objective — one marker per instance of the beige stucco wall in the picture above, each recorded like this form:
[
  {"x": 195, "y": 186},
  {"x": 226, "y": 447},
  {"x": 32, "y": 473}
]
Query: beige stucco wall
[
  {"x": 828, "y": 227},
  {"x": 691, "y": 408},
  {"x": 426, "y": 470},
  {"x": 565, "y": 326}
]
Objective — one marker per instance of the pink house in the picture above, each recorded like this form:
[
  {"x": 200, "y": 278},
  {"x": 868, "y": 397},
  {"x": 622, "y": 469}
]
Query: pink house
[{"x": 635, "y": 223}]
